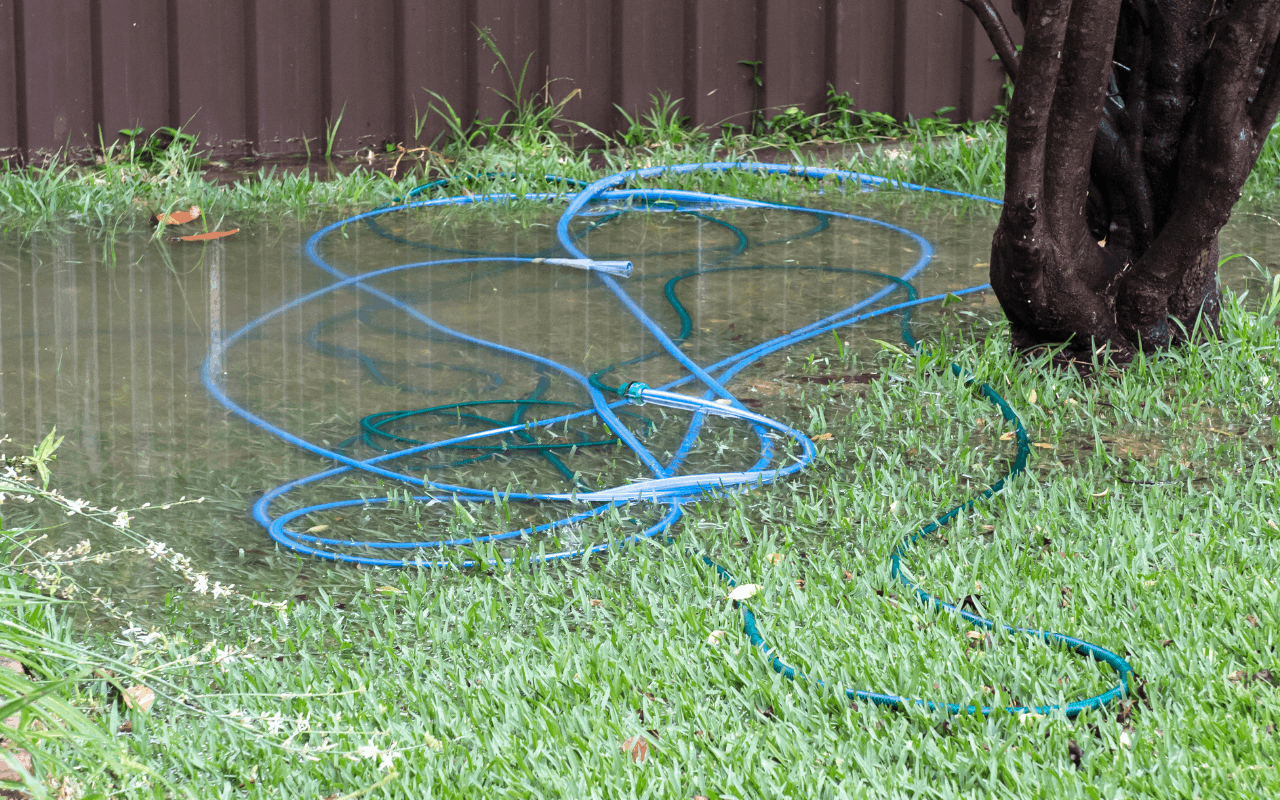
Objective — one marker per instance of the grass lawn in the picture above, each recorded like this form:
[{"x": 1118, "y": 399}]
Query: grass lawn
[{"x": 1148, "y": 522}]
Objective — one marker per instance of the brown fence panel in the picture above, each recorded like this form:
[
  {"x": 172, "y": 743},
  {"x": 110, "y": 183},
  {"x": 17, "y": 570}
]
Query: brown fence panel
[
  {"x": 435, "y": 56},
  {"x": 579, "y": 44},
  {"x": 59, "y": 67},
  {"x": 11, "y": 64},
  {"x": 720, "y": 34},
  {"x": 209, "y": 71},
  {"x": 361, "y": 87},
  {"x": 792, "y": 44},
  {"x": 282, "y": 76},
  {"x": 134, "y": 61},
  {"x": 288, "y": 76}
]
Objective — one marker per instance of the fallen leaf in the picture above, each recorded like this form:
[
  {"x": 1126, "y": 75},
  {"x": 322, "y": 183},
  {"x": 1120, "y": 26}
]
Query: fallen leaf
[
  {"x": 1043, "y": 445},
  {"x": 595, "y": 602},
  {"x": 204, "y": 237},
  {"x": 822, "y": 437},
  {"x": 974, "y": 635},
  {"x": 716, "y": 637},
  {"x": 1252, "y": 620},
  {"x": 317, "y": 528},
  {"x": 1237, "y": 676},
  {"x": 981, "y": 264},
  {"x": 774, "y": 558},
  {"x": 1102, "y": 493},
  {"x": 139, "y": 698},
  {"x": 638, "y": 747},
  {"x": 1004, "y": 437},
  {"x": 390, "y": 590},
  {"x": 177, "y": 217},
  {"x": 744, "y": 591},
  {"x": 848, "y": 576},
  {"x": 1031, "y": 396},
  {"x": 1125, "y": 741}
]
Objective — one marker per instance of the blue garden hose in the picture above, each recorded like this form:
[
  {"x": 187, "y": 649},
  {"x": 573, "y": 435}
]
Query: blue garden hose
[{"x": 665, "y": 487}]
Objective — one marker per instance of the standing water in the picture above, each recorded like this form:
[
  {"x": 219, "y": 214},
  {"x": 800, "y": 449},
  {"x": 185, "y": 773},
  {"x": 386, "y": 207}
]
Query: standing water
[{"x": 104, "y": 340}]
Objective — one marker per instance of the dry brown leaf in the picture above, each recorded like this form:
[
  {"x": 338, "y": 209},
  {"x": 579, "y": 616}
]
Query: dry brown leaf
[
  {"x": 638, "y": 748},
  {"x": 1237, "y": 676},
  {"x": 774, "y": 558},
  {"x": 1031, "y": 397},
  {"x": 139, "y": 698},
  {"x": 1042, "y": 445},
  {"x": 822, "y": 437},
  {"x": 1252, "y": 620},
  {"x": 595, "y": 602},
  {"x": 317, "y": 528},
  {"x": 8, "y": 773},
  {"x": 1004, "y": 437},
  {"x": 204, "y": 237},
  {"x": 177, "y": 217}
]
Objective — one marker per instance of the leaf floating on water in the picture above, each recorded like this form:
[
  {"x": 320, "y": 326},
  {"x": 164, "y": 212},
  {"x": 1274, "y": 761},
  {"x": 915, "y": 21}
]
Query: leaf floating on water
[
  {"x": 177, "y": 217},
  {"x": 744, "y": 591},
  {"x": 204, "y": 237}
]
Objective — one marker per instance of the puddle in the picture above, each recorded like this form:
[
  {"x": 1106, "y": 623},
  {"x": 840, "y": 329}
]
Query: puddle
[{"x": 106, "y": 343}]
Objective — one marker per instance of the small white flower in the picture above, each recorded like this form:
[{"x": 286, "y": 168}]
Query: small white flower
[
  {"x": 122, "y": 520},
  {"x": 76, "y": 506},
  {"x": 368, "y": 751},
  {"x": 201, "y": 584}
]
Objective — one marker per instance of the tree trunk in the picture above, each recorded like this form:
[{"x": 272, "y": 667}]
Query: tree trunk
[{"x": 1132, "y": 129}]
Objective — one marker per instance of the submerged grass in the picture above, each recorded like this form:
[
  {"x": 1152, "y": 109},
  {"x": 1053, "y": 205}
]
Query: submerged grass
[{"x": 1149, "y": 523}]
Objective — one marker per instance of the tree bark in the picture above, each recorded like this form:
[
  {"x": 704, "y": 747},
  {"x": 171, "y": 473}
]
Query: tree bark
[{"x": 1132, "y": 129}]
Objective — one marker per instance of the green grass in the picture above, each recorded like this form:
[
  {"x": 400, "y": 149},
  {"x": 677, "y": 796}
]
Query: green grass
[
  {"x": 132, "y": 181},
  {"x": 1148, "y": 523}
]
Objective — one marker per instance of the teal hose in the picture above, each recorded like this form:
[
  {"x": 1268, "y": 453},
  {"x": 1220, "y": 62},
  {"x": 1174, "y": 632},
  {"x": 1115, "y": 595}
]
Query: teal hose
[{"x": 390, "y": 431}]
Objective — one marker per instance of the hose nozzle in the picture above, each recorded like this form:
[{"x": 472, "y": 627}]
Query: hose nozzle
[{"x": 620, "y": 268}]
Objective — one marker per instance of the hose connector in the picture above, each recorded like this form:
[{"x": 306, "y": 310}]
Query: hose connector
[{"x": 633, "y": 391}]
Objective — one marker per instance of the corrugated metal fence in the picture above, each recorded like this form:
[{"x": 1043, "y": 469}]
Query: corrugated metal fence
[{"x": 262, "y": 75}]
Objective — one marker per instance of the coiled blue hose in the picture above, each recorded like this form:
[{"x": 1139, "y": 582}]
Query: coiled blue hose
[{"x": 665, "y": 487}]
